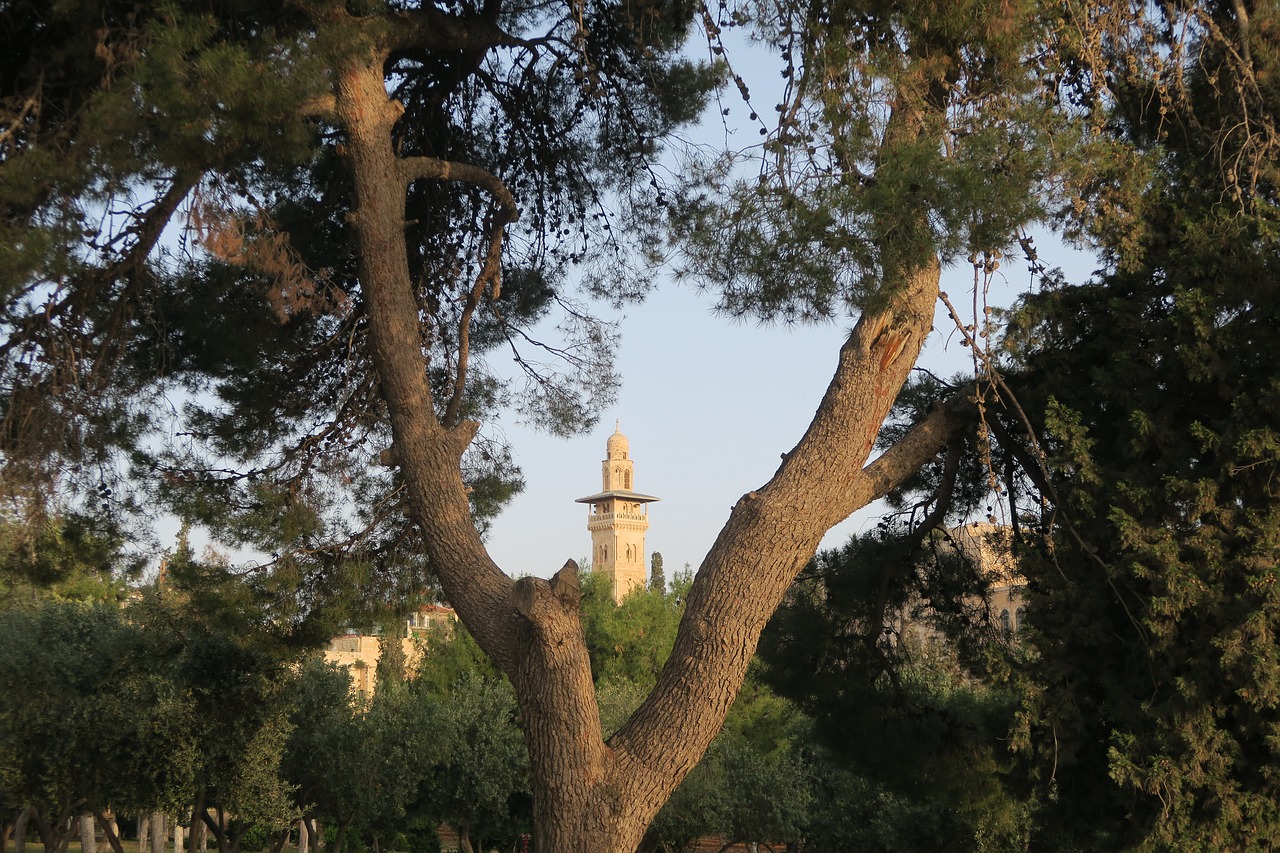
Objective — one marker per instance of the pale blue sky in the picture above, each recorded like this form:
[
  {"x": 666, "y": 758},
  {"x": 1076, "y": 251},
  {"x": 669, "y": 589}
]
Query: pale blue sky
[{"x": 708, "y": 405}]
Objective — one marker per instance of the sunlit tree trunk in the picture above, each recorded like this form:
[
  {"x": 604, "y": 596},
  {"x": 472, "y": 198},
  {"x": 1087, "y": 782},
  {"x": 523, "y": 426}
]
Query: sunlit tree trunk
[{"x": 157, "y": 832}]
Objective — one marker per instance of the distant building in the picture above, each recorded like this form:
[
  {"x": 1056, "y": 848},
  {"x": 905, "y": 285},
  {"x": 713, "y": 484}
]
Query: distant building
[
  {"x": 618, "y": 520},
  {"x": 359, "y": 653},
  {"x": 989, "y": 548}
]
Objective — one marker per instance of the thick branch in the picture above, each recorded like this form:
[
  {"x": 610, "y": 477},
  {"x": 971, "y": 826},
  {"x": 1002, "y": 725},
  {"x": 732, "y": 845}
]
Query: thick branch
[
  {"x": 428, "y": 453},
  {"x": 425, "y": 168},
  {"x": 920, "y": 444},
  {"x": 773, "y": 532}
]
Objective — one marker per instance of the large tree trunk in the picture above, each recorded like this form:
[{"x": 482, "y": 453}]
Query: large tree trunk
[{"x": 589, "y": 796}]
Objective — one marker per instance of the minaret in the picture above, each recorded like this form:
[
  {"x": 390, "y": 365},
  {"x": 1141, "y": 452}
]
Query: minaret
[{"x": 617, "y": 521}]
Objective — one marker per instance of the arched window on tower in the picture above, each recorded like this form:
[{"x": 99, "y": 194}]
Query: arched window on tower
[{"x": 1005, "y": 623}]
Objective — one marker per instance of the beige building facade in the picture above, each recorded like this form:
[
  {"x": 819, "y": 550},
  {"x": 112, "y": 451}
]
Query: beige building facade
[
  {"x": 617, "y": 519},
  {"x": 989, "y": 547},
  {"x": 359, "y": 653}
]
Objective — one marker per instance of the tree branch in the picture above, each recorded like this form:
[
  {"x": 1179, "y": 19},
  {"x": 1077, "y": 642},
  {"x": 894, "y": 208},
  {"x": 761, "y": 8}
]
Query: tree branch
[
  {"x": 490, "y": 278},
  {"x": 432, "y": 168},
  {"x": 920, "y": 443}
]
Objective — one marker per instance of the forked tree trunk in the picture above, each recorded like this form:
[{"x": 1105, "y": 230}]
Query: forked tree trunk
[
  {"x": 314, "y": 838},
  {"x": 110, "y": 830},
  {"x": 591, "y": 796}
]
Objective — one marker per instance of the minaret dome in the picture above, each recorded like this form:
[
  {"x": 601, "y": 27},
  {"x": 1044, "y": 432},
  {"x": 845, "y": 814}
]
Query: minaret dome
[{"x": 617, "y": 446}]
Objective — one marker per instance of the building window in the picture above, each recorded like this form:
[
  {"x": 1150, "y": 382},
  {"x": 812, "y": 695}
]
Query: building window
[{"x": 1005, "y": 623}]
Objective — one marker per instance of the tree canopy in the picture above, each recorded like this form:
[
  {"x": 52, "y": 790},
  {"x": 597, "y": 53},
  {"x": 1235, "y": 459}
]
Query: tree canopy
[{"x": 250, "y": 250}]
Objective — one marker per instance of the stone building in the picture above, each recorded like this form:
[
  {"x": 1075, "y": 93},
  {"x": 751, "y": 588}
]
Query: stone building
[
  {"x": 618, "y": 519},
  {"x": 989, "y": 548},
  {"x": 359, "y": 653}
]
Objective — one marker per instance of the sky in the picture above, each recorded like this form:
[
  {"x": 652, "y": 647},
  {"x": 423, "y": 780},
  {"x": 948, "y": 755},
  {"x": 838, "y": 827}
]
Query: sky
[{"x": 708, "y": 405}]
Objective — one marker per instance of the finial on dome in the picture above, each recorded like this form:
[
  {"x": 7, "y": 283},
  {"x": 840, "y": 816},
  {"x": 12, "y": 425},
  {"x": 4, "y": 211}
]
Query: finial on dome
[
  {"x": 617, "y": 445},
  {"x": 617, "y": 425}
]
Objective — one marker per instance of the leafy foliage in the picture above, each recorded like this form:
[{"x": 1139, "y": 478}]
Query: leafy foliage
[
  {"x": 182, "y": 310},
  {"x": 899, "y": 721},
  {"x": 902, "y": 133},
  {"x": 1152, "y": 393}
]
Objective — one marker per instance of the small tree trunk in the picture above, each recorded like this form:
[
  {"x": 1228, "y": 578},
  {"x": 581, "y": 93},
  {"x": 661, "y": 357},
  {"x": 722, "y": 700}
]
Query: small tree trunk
[
  {"x": 88, "y": 834},
  {"x": 315, "y": 836},
  {"x": 144, "y": 832},
  {"x": 47, "y": 831},
  {"x": 20, "y": 830},
  {"x": 340, "y": 835},
  {"x": 157, "y": 832},
  {"x": 213, "y": 823},
  {"x": 303, "y": 838}
]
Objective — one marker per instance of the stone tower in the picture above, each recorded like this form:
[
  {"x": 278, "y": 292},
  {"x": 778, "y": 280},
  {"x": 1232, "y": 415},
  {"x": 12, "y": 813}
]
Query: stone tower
[{"x": 617, "y": 520}]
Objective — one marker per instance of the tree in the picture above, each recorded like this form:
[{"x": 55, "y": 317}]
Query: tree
[
  {"x": 1151, "y": 392},
  {"x": 70, "y": 557},
  {"x": 657, "y": 579},
  {"x": 360, "y": 766},
  {"x": 66, "y": 667},
  {"x": 382, "y": 191},
  {"x": 479, "y": 774},
  {"x": 917, "y": 733}
]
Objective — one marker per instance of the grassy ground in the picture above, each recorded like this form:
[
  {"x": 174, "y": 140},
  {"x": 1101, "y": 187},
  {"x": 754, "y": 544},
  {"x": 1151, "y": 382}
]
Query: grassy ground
[{"x": 74, "y": 847}]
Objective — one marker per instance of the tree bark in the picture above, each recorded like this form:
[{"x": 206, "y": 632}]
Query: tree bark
[
  {"x": 109, "y": 830},
  {"x": 157, "y": 832},
  {"x": 313, "y": 835},
  {"x": 20, "y": 830},
  {"x": 589, "y": 796},
  {"x": 88, "y": 835}
]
